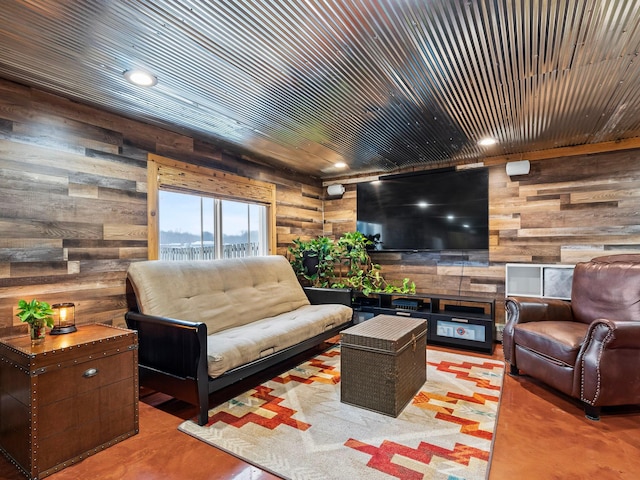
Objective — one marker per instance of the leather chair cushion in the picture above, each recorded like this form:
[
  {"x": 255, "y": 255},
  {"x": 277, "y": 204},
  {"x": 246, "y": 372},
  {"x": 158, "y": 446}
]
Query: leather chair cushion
[
  {"x": 606, "y": 287},
  {"x": 558, "y": 341}
]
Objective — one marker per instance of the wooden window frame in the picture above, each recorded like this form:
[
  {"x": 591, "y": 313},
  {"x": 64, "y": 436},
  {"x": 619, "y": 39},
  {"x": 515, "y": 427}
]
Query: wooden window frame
[{"x": 169, "y": 174}]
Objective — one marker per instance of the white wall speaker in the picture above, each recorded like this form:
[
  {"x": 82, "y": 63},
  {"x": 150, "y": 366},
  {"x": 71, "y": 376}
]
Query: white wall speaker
[
  {"x": 518, "y": 168},
  {"x": 336, "y": 190}
]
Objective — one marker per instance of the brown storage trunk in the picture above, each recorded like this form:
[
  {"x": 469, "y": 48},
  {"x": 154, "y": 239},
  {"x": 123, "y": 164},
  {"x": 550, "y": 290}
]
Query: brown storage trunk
[
  {"x": 383, "y": 363},
  {"x": 72, "y": 397}
]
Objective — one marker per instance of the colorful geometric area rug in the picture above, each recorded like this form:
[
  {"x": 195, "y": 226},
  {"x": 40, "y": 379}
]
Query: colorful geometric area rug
[{"x": 295, "y": 426}]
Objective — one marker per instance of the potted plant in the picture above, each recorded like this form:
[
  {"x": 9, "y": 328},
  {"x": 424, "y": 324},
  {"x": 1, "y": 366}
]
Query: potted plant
[
  {"x": 313, "y": 260},
  {"x": 355, "y": 269},
  {"x": 361, "y": 273},
  {"x": 321, "y": 262},
  {"x": 38, "y": 315}
]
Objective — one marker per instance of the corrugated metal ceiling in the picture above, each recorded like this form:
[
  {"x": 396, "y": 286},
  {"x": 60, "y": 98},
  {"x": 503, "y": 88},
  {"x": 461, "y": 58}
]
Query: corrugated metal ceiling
[{"x": 381, "y": 85}]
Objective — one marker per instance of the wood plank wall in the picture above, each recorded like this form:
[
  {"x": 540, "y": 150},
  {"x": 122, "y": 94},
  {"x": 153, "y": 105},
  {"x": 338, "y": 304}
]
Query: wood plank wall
[
  {"x": 73, "y": 211},
  {"x": 566, "y": 210},
  {"x": 73, "y": 208}
]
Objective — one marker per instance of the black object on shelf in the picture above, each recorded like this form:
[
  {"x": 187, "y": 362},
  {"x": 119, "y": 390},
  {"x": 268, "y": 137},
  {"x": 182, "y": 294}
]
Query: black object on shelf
[
  {"x": 463, "y": 308},
  {"x": 366, "y": 301},
  {"x": 407, "y": 303},
  {"x": 462, "y": 322}
]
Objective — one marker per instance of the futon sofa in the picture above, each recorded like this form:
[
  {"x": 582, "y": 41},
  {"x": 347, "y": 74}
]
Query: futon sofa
[{"x": 203, "y": 325}]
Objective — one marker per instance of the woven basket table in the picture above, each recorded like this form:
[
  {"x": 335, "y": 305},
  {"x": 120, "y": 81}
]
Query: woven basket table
[{"x": 383, "y": 363}]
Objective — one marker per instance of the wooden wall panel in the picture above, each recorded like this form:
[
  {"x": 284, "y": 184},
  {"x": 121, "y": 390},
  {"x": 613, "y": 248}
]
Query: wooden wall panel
[
  {"x": 340, "y": 214},
  {"x": 299, "y": 210},
  {"x": 73, "y": 196},
  {"x": 569, "y": 209},
  {"x": 566, "y": 210}
]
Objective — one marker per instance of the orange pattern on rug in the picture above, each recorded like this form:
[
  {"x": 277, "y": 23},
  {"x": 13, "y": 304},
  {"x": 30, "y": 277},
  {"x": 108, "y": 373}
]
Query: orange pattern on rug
[
  {"x": 453, "y": 406},
  {"x": 270, "y": 413},
  {"x": 315, "y": 370},
  {"x": 296, "y": 427},
  {"x": 384, "y": 458},
  {"x": 465, "y": 371}
]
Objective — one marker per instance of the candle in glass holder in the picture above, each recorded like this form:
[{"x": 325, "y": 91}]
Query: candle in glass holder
[{"x": 64, "y": 318}]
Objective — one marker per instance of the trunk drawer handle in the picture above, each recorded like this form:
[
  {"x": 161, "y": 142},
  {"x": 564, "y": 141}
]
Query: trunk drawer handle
[{"x": 90, "y": 372}]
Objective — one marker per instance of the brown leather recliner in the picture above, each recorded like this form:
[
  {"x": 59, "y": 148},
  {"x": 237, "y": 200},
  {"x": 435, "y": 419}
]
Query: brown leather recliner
[{"x": 588, "y": 348}]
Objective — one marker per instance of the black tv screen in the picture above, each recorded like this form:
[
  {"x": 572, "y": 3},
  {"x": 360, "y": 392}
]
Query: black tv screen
[{"x": 437, "y": 210}]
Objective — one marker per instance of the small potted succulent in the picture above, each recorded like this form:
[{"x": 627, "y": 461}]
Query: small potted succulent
[{"x": 38, "y": 315}]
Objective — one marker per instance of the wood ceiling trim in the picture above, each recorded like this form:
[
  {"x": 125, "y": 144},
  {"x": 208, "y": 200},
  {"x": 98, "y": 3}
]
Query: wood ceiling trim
[{"x": 625, "y": 144}]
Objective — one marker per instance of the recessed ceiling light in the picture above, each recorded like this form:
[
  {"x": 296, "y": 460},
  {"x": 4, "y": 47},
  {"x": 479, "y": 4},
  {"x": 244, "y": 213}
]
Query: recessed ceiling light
[
  {"x": 486, "y": 142},
  {"x": 141, "y": 78},
  {"x": 340, "y": 165}
]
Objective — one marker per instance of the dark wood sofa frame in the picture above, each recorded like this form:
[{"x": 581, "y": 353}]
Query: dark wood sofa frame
[{"x": 172, "y": 354}]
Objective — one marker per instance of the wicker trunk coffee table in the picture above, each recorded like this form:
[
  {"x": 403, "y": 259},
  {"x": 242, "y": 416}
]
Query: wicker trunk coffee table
[{"x": 383, "y": 363}]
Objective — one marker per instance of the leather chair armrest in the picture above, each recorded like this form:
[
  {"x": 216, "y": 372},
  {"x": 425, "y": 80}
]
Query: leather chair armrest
[
  {"x": 530, "y": 309},
  {"x": 533, "y": 309},
  {"x": 609, "y": 359},
  {"x": 615, "y": 333}
]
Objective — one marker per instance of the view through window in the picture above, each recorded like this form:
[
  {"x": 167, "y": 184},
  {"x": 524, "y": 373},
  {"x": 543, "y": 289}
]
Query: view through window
[{"x": 196, "y": 227}]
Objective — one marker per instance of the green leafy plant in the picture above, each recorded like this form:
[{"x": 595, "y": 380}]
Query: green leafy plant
[
  {"x": 35, "y": 313},
  {"x": 374, "y": 241},
  {"x": 356, "y": 270},
  {"x": 361, "y": 273},
  {"x": 313, "y": 260},
  {"x": 342, "y": 264}
]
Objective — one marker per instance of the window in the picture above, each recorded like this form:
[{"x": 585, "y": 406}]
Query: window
[
  {"x": 194, "y": 227},
  {"x": 243, "y": 229},
  {"x": 200, "y": 213}
]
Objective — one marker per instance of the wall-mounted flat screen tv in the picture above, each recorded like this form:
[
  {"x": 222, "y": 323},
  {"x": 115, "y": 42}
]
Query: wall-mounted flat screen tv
[{"x": 444, "y": 209}]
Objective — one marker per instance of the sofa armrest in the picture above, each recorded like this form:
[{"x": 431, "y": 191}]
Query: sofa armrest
[
  {"x": 176, "y": 347},
  {"x": 320, "y": 296},
  {"x": 530, "y": 309},
  {"x": 609, "y": 363}
]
